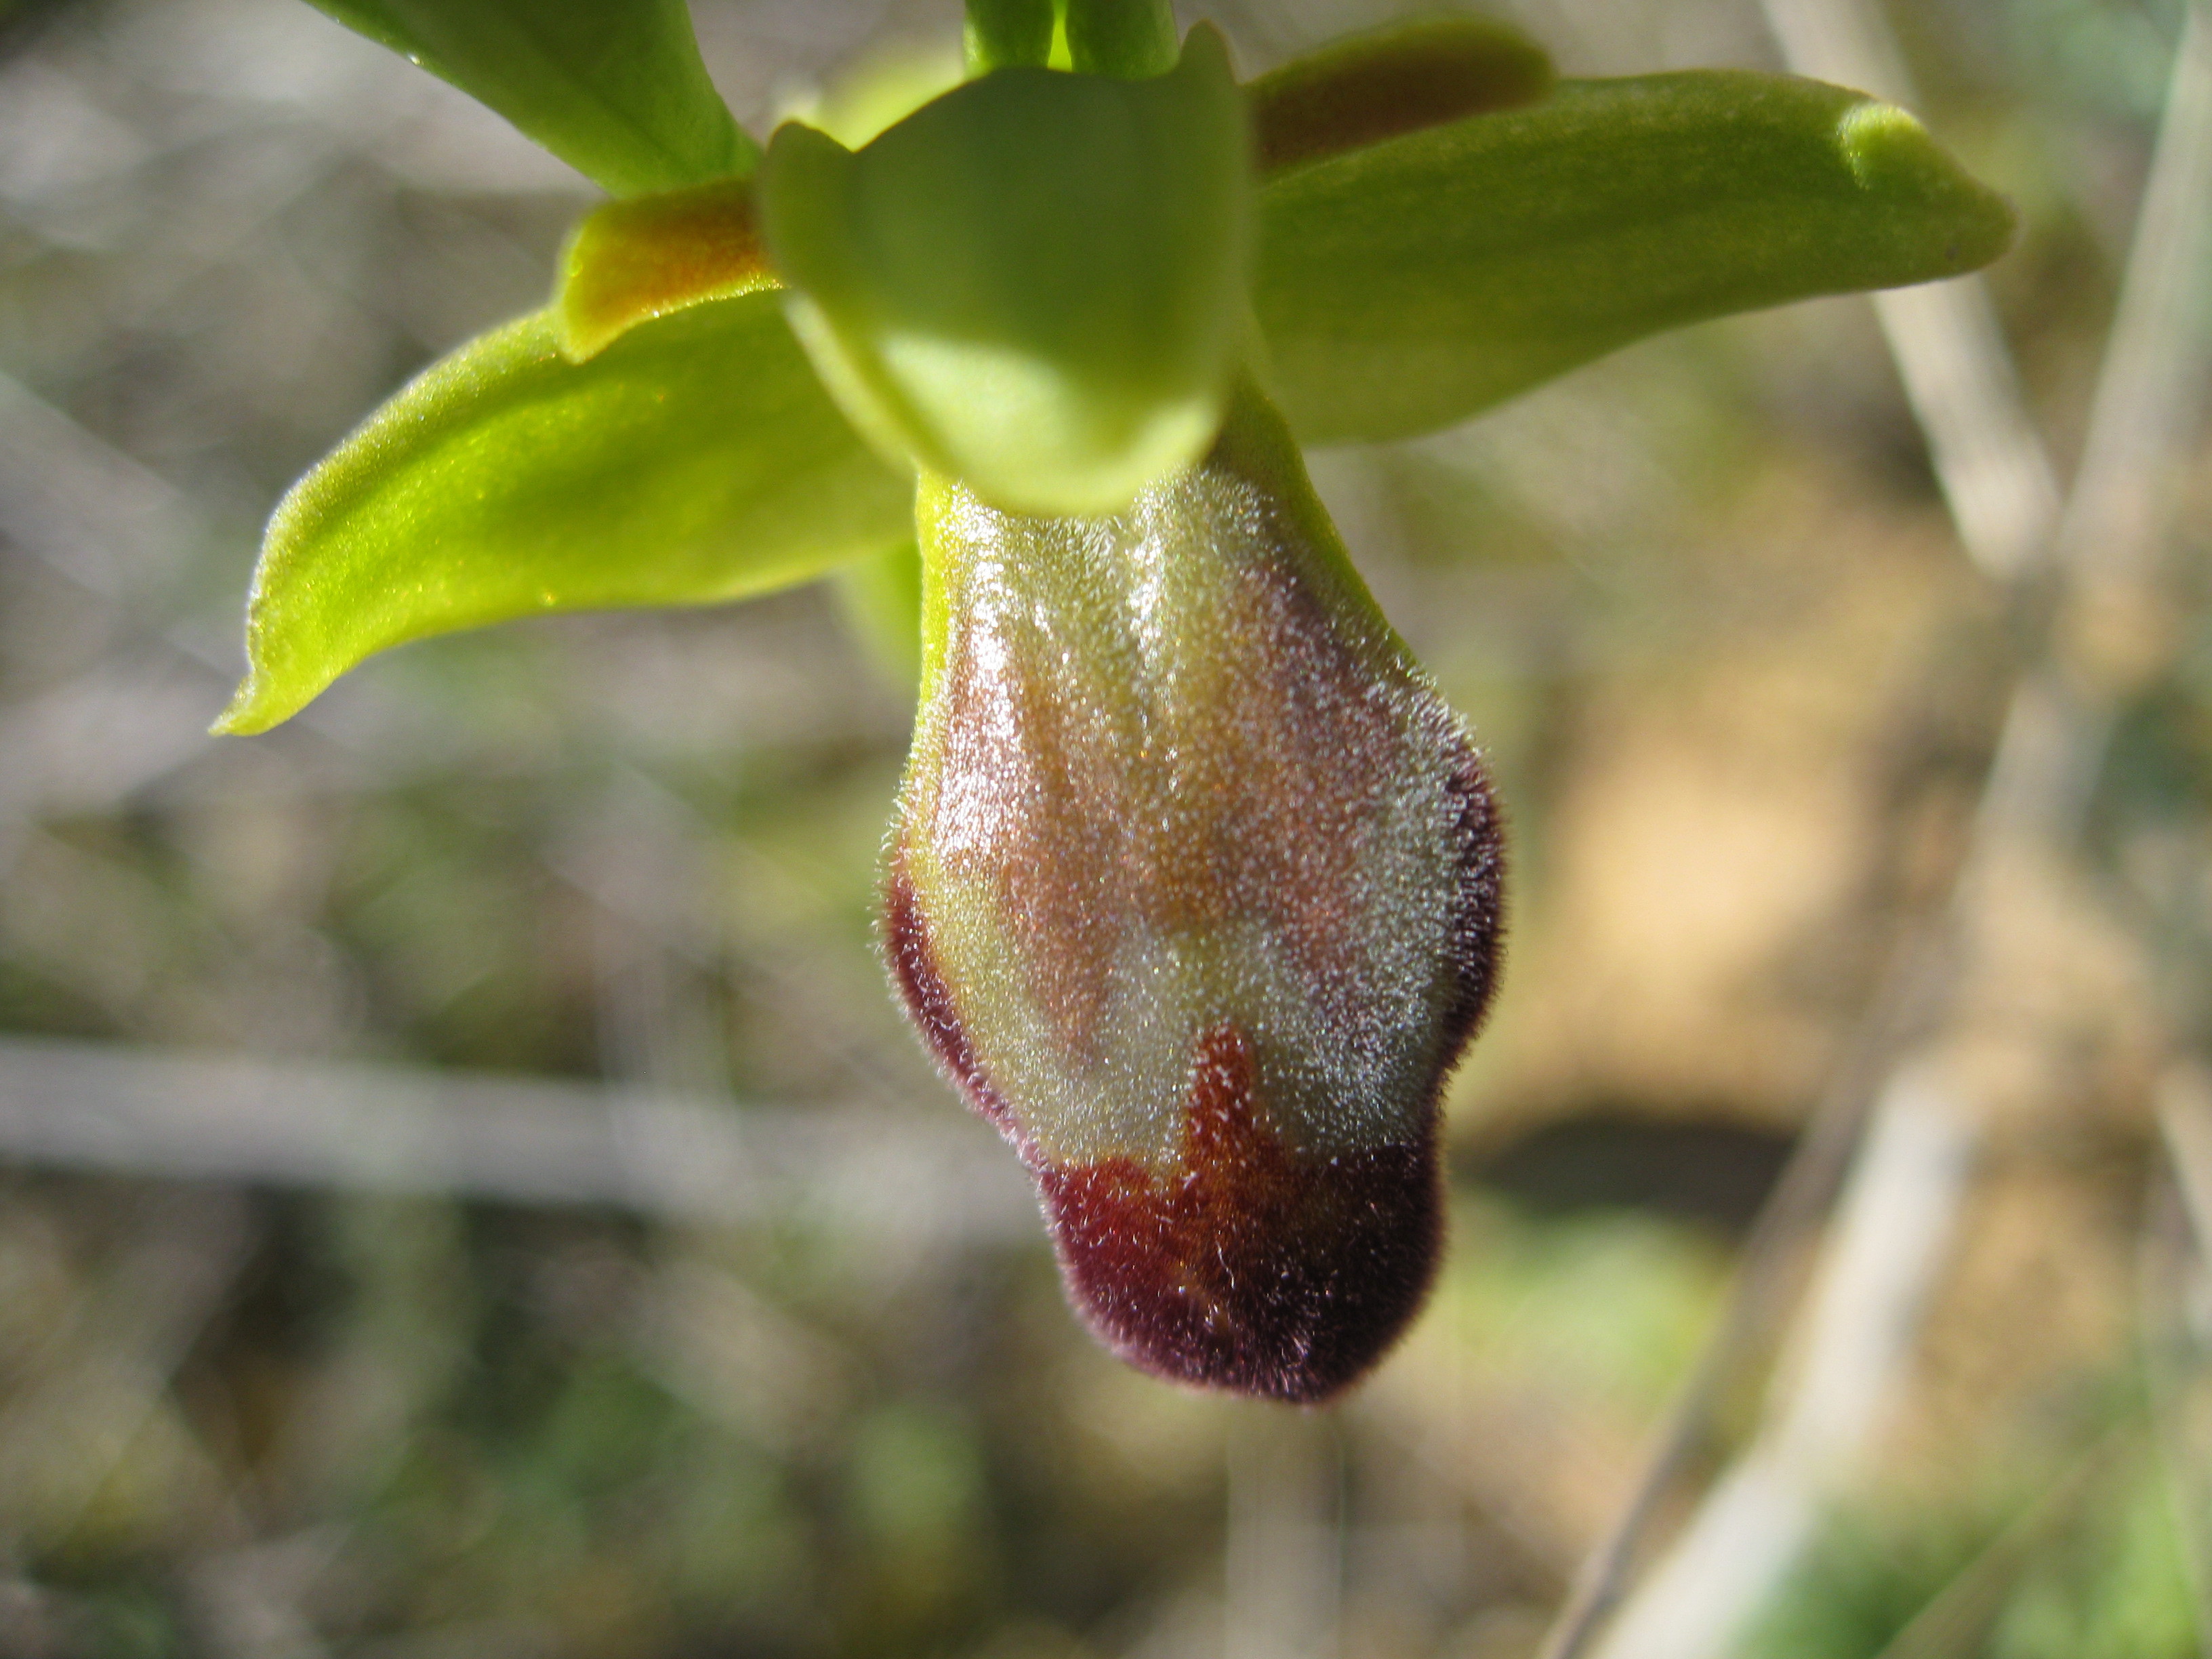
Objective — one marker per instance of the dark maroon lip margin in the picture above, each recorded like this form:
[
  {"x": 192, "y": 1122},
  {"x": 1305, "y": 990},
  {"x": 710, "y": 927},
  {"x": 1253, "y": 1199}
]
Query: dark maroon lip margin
[
  {"x": 1257, "y": 1271},
  {"x": 1477, "y": 935},
  {"x": 928, "y": 1003}
]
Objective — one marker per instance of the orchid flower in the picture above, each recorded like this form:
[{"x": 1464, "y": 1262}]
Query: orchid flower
[{"x": 1195, "y": 889}]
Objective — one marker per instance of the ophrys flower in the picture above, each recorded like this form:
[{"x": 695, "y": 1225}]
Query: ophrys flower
[{"x": 1194, "y": 888}]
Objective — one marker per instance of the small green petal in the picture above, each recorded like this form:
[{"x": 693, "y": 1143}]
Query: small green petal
[
  {"x": 1389, "y": 81},
  {"x": 630, "y": 261},
  {"x": 1408, "y": 283},
  {"x": 614, "y": 88},
  {"x": 695, "y": 459},
  {"x": 879, "y": 89},
  {"x": 1035, "y": 284}
]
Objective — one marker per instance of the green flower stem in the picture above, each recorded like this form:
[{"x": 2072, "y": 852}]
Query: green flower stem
[
  {"x": 1129, "y": 39},
  {"x": 1002, "y": 34}
]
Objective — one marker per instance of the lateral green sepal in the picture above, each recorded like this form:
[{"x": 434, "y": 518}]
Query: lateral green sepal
[
  {"x": 614, "y": 88},
  {"x": 695, "y": 459},
  {"x": 1406, "y": 284}
]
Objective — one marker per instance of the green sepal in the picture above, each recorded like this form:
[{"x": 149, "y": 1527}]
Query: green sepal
[
  {"x": 1406, "y": 284},
  {"x": 614, "y": 88},
  {"x": 1035, "y": 283},
  {"x": 695, "y": 459}
]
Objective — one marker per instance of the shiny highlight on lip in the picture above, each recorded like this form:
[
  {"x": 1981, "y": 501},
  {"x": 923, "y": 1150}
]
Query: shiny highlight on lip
[{"x": 1195, "y": 894}]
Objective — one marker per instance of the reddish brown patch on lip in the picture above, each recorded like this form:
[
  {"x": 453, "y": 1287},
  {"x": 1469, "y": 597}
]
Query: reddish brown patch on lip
[{"x": 1253, "y": 1269}]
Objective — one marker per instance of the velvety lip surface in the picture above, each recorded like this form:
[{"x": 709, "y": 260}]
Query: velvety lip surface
[
  {"x": 1195, "y": 895},
  {"x": 1255, "y": 1270}
]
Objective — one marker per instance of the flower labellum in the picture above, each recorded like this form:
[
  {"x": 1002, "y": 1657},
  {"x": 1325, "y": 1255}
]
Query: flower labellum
[{"x": 1194, "y": 891}]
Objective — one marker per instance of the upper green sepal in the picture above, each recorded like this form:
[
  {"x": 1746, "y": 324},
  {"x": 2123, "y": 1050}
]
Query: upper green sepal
[
  {"x": 614, "y": 88},
  {"x": 1406, "y": 284},
  {"x": 694, "y": 458},
  {"x": 1035, "y": 283}
]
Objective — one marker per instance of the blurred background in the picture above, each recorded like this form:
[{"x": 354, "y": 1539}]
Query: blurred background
[{"x": 464, "y": 1187}]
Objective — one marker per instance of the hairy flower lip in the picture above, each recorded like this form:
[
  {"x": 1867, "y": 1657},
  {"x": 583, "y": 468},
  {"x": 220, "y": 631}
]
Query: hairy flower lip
[
  {"x": 1255, "y": 1270},
  {"x": 1194, "y": 893},
  {"x": 1303, "y": 1297}
]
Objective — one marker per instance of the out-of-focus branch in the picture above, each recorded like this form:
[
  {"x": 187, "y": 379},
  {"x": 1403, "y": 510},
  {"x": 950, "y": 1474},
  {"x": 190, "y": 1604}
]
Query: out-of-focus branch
[
  {"x": 1958, "y": 1620},
  {"x": 1283, "y": 1555},
  {"x": 1996, "y": 475},
  {"x": 1997, "y": 481},
  {"x": 2151, "y": 386},
  {"x": 2175, "y": 1269},
  {"x": 1766, "y": 1282},
  {"x": 542, "y": 1141},
  {"x": 1886, "y": 1247}
]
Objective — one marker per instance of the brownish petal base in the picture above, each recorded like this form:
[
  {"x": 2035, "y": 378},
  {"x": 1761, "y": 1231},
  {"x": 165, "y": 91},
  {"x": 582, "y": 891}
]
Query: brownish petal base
[{"x": 1255, "y": 1270}]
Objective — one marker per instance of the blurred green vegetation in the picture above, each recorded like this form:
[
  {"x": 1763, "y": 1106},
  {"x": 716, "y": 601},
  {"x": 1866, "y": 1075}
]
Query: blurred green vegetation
[{"x": 2093, "y": 1570}]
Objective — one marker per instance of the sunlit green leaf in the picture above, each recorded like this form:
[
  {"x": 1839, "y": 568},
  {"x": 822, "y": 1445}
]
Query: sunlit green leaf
[
  {"x": 1406, "y": 284},
  {"x": 614, "y": 88},
  {"x": 695, "y": 459},
  {"x": 1035, "y": 283}
]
